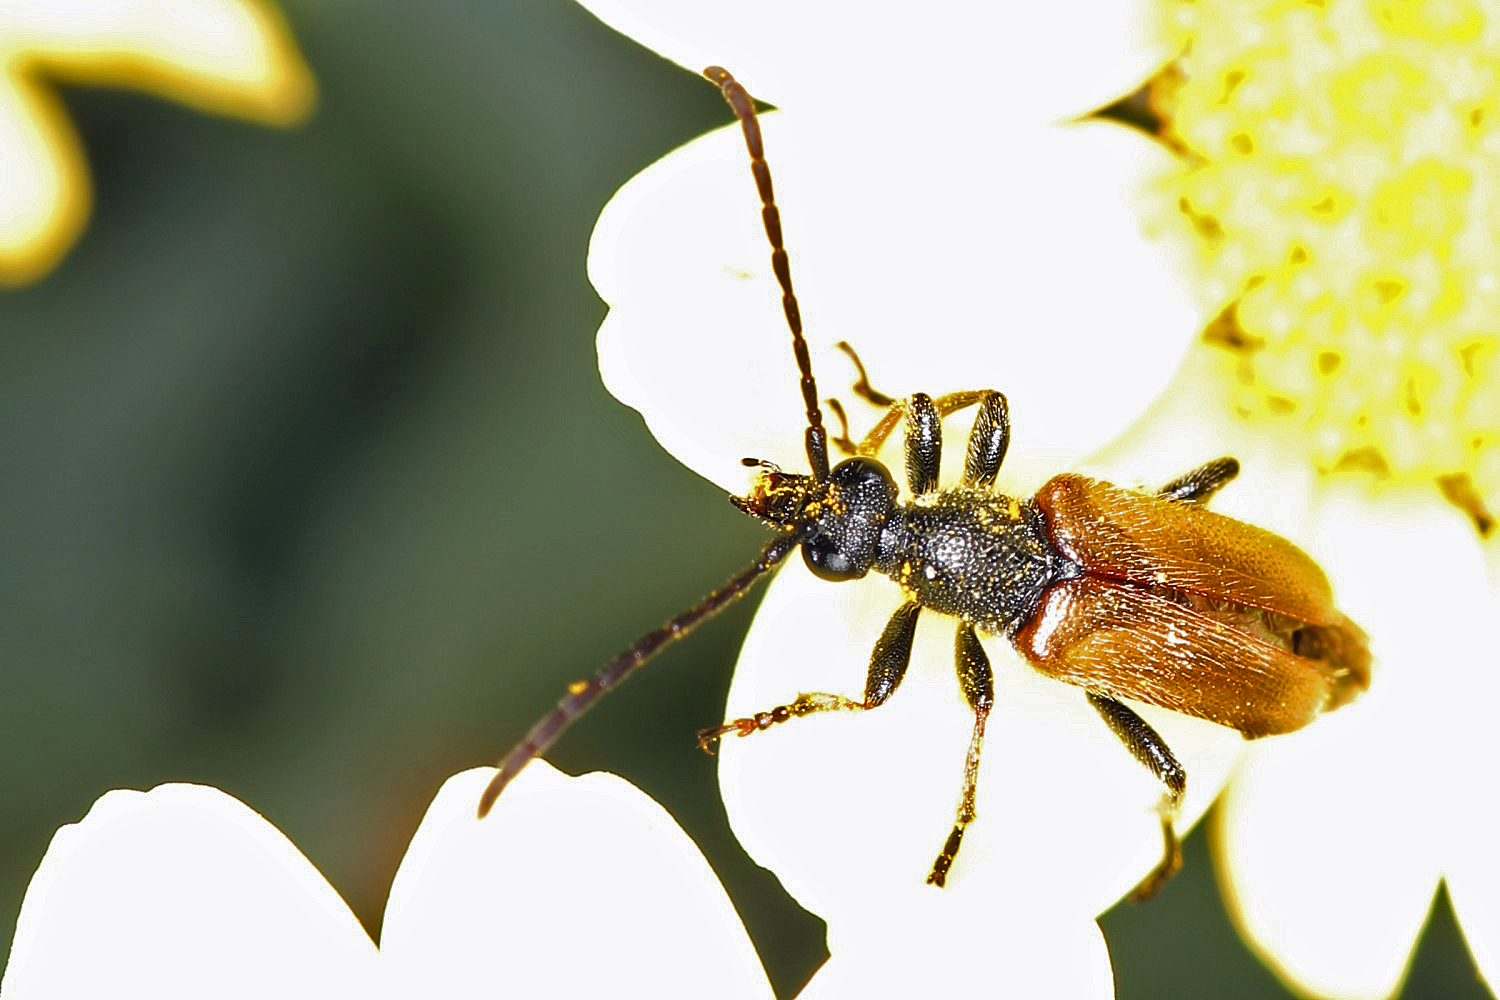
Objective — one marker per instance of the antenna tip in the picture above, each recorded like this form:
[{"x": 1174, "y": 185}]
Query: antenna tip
[{"x": 491, "y": 793}]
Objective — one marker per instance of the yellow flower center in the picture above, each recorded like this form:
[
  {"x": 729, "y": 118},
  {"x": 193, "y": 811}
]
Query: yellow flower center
[{"x": 1340, "y": 178}]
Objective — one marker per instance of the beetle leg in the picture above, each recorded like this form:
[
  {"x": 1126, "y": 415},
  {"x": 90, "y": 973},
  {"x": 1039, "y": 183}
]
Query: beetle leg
[
  {"x": 988, "y": 440},
  {"x": 842, "y": 441},
  {"x": 946, "y": 404},
  {"x": 862, "y": 387},
  {"x": 1201, "y": 483},
  {"x": 978, "y": 683},
  {"x": 924, "y": 444},
  {"x": 888, "y": 665},
  {"x": 1151, "y": 750}
]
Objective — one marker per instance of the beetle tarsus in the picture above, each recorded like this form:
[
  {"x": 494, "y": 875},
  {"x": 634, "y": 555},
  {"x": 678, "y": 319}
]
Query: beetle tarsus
[
  {"x": 806, "y": 704},
  {"x": 1171, "y": 860},
  {"x": 842, "y": 441},
  {"x": 944, "y": 862},
  {"x": 862, "y": 387}
]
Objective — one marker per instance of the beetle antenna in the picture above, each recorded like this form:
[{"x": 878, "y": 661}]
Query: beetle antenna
[
  {"x": 582, "y": 694},
  {"x": 744, "y": 109}
]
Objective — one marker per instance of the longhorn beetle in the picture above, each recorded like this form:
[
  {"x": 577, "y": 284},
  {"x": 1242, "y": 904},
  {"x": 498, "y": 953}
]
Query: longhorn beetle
[{"x": 1124, "y": 594}]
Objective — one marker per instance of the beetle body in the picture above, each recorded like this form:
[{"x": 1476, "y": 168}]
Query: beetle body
[
  {"x": 1125, "y": 594},
  {"x": 1136, "y": 596},
  {"x": 982, "y": 557}
]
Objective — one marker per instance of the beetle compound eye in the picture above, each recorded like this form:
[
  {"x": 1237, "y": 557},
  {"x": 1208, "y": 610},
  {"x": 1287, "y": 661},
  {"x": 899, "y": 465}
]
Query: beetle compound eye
[
  {"x": 829, "y": 561},
  {"x": 863, "y": 476}
]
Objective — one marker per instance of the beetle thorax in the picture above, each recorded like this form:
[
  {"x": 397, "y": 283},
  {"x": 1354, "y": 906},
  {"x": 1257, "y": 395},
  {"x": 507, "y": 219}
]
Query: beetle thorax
[{"x": 973, "y": 554}]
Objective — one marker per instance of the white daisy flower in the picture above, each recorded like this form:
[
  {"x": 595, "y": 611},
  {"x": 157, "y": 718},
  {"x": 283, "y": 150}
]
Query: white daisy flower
[
  {"x": 1342, "y": 178},
  {"x": 949, "y": 215}
]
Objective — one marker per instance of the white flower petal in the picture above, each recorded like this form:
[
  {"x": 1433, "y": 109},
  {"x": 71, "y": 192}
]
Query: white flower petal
[
  {"x": 850, "y": 809},
  {"x": 182, "y": 892},
  {"x": 1033, "y": 63},
  {"x": 694, "y": 339},
  {"x": 571, "y": 886},
  {"x": 1189, "y": 425},
  {"x": 1332, "y": 836},
  {"x": 925, "y": 279},
  {"x": 943, "y": 952},
  {"x": 1471, "y": 863}
]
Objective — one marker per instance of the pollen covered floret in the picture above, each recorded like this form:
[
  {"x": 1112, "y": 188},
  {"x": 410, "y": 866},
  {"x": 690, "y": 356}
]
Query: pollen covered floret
[{"x": 1340, "y": 179}]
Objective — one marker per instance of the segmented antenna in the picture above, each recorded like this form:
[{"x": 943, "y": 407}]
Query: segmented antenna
[
  {"x": 744, "y": 110},
  {"x": 582, "y": 694}
]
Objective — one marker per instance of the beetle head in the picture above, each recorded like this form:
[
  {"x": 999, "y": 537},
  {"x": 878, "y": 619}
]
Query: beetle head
[{"x": 842, "y": 516}]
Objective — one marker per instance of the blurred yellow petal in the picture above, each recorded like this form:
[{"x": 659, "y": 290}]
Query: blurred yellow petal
[
  {"x": 225, "y": 56},
  {"x": 45, "y": 197}
]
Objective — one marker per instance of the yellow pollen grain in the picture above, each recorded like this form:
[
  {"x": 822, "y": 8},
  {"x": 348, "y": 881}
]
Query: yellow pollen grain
[{"x": 1339, "y": 181}]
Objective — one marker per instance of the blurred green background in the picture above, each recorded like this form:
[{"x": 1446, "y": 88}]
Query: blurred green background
[{"x": 311, "y": 491}]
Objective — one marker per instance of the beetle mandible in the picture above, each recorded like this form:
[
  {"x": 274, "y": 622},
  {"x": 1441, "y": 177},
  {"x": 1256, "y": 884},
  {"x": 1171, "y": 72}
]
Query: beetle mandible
[{"x": 1125, "y": 594}]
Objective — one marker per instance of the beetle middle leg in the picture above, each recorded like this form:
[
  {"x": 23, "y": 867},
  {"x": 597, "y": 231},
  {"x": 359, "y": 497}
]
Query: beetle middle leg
[
  {"x": 1147, "y": 746},
  {"x": 978, "y": 682},
  {"x": 888, "y": 665}
]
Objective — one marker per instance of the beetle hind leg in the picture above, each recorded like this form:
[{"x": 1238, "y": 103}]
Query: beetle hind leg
[
  {"x": 1171, "y": 858},
  {"x": 1201, "y": 483},
  {"x": 978, "y": 682},
  {"x": 1147, "y": 746}
]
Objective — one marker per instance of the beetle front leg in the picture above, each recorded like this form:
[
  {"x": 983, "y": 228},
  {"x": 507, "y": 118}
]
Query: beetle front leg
[
  {"x": 888, "y": 665},
  {"x": 924, "y": 444},
  {"x": 947, "y": 405},
  {"x": 989, "y": 439},
  {"x": 978, "y": 682},
  {"x": 842, "y": 441},
  {"x": 862, "y": 387},
  {"x": 1147, "y": 746}
]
